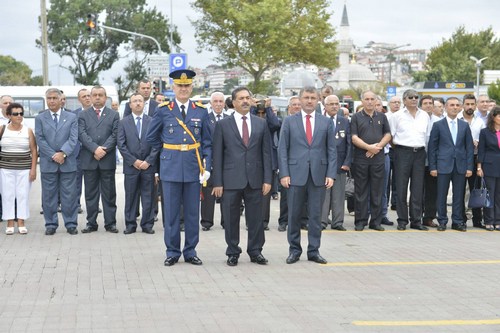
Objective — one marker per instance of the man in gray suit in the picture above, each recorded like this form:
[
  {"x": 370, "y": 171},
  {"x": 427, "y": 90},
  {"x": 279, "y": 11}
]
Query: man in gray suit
[
  {"x": 307, "y": 158},
  {"x": 139, "y": 166},
  {"x": 97, "y": 131},
  {"x": 242, "y": 169},
  {"x": 56, "y": 133}
]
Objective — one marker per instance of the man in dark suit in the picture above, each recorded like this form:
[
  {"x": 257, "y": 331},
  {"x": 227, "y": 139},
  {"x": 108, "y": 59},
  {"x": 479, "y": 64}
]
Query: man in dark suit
[
  {"x": 57, "y": 137},
  {"x": 86, "y": 102},
  {"x": 451, "y": 158},
  {"x": 335, "y": 196},
  {"x": 307, "y": 159},
  {"x": 150, "y": 105},
  {"x": 139, "y": 166},
  {"x": 97, "y": 131},
  {"x": 182, "y": 129},
  {"x": 208, "y": 199},
  {"x": 242, "y": 169}
]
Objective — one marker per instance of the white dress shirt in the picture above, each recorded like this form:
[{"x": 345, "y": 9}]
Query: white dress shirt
[
  {"x": 407, "y": 130},
  {"x": 239, "y": 123},
  {"x": 313, "y": 114}
]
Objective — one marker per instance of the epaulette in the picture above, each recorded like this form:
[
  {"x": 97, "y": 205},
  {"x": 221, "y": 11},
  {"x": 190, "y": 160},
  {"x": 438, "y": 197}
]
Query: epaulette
[
  {"x": 200, "y": 104},
  {"x": 163, "y": 104}
]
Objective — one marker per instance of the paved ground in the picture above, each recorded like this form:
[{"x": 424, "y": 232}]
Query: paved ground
[{"x": 389, "y": 281}]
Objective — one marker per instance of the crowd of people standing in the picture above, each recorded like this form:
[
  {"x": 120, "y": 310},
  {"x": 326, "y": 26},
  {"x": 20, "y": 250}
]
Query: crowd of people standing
[{"x": 234, "y": 152}]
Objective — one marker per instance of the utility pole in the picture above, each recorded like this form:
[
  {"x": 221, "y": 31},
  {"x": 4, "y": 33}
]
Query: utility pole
[
  {"x": 390, "y": 56},
  {"x": 478, "y": 73},
  {"x": 44, "y": 40}
]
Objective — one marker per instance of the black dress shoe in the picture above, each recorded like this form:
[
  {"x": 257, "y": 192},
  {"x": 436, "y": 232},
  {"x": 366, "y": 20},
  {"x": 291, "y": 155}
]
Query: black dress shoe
[
  {"x": 88, "y": 230},
  {"x": 149, "y": 231},
  {"x": 112, "y": 229},
  {"x": 458, "y": 227},
  {"x": 128, "y": 231},
  {"x": 318, "y": 259},
  {"x": 259, "y": 260},
  {"x": 282, "y": 227},
  {"x": 359, "y": 228},
  {"x": 170, "y": 261},
  {"x": 80, "y": 211},
  {"x": 339, "y": 228},
  {"x": 377, "y": 227},
  {"x": 478, "y": 225},
  {"x": 385, "y": 221},
  {"x": 266, "y": 227},
  {"x": 401, "y": 227},
  {"x": 441, "y": 227},
  {"x": 205, "y": 228},
  {"x": 50, "y": 231},
  {"x": 292, "y": 258},
  {"x": 194, "y": 261},
  {"x": 232, "y": 260},
  {"x": 429, "y": 223},
  {"x": 418, "y": 227},
  {"x": 72, "y": 231},
  {"x": 393, "y": 207}
]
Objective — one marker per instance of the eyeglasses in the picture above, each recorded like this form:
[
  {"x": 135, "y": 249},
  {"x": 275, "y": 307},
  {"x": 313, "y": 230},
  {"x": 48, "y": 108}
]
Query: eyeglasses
[
  {"x": 15, "y": 114},
  {"x": 412, "y": 97}
]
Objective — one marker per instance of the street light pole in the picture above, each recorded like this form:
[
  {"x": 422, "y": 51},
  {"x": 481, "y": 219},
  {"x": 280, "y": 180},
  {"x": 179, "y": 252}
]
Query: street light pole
[
  {"x": 390, "y": 49},
  {"x": 478, "y": 74}
]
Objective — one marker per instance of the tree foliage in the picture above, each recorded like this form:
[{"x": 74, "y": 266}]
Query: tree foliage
[
  {"x": 450, "y": 61},
  {"x": 92, "y": 54},
  {"x": 259, "y": 34},
  {"x": 15, "y": 73},
  {"x": 134, "y": 72},
  {"x": 494, "y": 91}
]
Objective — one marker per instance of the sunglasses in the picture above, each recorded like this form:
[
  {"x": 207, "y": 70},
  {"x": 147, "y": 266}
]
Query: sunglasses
[
  {"x": 15, "y": 114},
  {"x": 412, "y": 97}
]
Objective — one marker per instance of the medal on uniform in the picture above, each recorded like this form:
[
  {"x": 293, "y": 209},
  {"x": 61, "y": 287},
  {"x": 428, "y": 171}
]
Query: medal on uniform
[
  {"x": 342, "y": 134},
  {"x": 171, "y": 130},
  {"x": 197, "y": 131}
]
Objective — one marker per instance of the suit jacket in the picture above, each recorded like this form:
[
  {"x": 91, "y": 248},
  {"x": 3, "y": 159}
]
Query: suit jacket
[
  {"x": 51, "y": 140},
  {"x": 234, "y": 165},
  {"x": 343, "y": 143},
  {"x": 134, "y": 148},
  {"x": 213, "y": 121},
  {"x": 297, "y": 159},
  {"x": 489, "y": 153},
  {"x": 78, "y": 147},
  {"x": 443, "y": 155},
  {"x": 151, "y": 111},
  {"x": 176, "y": 165},
  {"x": 93, "y": 132}
]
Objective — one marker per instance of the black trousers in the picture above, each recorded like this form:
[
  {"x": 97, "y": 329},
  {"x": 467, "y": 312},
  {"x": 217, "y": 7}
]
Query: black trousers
[
  {"x": 100, "y": 183},
  {"x": 368, "y": 185},
  {"x": 430, "y": 196},
  {"x": 410, "y": 164}
]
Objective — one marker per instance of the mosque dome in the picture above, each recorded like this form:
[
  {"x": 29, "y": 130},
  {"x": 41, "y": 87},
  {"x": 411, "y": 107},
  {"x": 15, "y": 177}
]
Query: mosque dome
[{"x": 301, "y": 78}]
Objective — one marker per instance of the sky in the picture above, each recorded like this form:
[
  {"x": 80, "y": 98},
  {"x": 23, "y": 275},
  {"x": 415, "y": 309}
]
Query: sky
[{"x": 423, "y": 23}]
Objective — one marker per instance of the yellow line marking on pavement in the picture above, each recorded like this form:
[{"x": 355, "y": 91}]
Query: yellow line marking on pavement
[
  {"x": 408, "y": 263},
  {"x": 428, "y": 322},
  {"x": 399, "y": 231}
]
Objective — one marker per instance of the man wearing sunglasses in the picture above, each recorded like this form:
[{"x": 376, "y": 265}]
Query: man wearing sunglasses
[{"x": 409, "y": 129}]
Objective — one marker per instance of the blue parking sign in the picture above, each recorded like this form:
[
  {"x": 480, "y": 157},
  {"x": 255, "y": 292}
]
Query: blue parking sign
[
  {"x": 177, "y": 61},
  {"x": 391, "y": 91}
]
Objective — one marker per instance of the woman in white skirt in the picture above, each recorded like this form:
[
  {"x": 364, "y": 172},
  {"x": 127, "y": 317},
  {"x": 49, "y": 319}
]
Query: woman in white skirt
[{"x": 18, "y": 160}]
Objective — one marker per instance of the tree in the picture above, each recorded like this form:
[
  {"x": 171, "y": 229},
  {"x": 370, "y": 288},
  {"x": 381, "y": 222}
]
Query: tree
[
  {"x": 15, "y": 73},
  {"x": 134, "y": 72},
  {"x": 494, "y": 91},
  {"x": 259, "y": 34},
  {"x": 450, "y": 61},
  {"x": 230, "y": 84},
  {"x": 92, "y": 54}
]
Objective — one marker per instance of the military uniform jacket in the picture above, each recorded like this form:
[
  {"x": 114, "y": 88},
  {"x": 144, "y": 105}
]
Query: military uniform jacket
[{"x": 176, "y": 165}]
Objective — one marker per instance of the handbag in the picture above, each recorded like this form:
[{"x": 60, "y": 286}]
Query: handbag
[
  {"x": 480, "y": 197},
  {"x": 349, "y": 185}
]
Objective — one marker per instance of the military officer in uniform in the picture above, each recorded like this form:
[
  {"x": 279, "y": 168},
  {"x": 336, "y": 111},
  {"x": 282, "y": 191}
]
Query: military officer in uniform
[{"x": 180, "y": 129}]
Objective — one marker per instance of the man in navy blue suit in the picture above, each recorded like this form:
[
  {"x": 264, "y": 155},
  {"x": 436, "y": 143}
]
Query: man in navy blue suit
[
  {"x": 181, "y": 131},
  {"x": 451, "y": 158},
  {"x": 307, "y": 158},
  {"x": 139, "y": 166},
  {"x": 335, "y": 197}
]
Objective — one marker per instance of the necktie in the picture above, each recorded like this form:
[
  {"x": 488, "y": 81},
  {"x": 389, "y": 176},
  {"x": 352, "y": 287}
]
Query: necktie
[
  {"x": 183, "y": 112},
  {"x": 244, "y": 131},
  {"x": 138, "y": 126},
  {"x": 454, "y": 131},
  {"x": 218, "y": 117},
  {"x": 333, "y": 120},
  {"x": 98, "y": 112},
  {"x": 309, "y": 134},
  {"x": 55, "y": 119}
]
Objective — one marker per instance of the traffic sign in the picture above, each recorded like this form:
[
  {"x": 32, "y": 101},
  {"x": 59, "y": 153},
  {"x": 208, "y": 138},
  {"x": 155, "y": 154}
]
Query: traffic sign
[
  {"x": 177, "y": 61},
  {"x": 157, "y": 66},
  {"x": 391, "y": 91}
]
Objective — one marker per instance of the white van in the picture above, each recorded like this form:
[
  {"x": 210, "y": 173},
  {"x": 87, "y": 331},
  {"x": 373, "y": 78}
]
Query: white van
[{"x": 32, "y": 98}]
